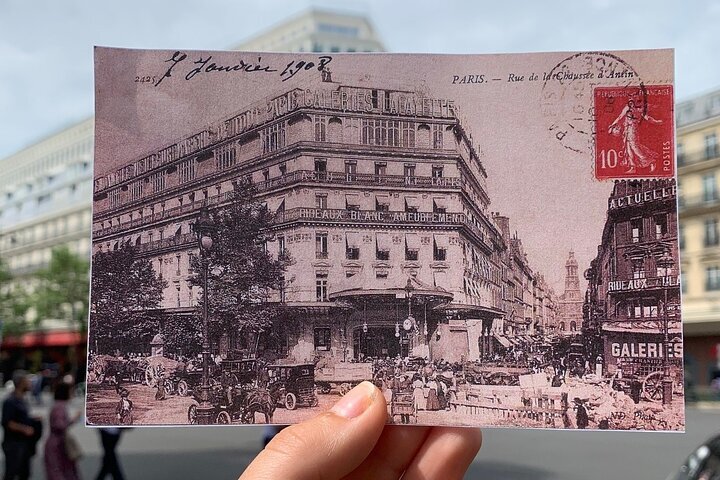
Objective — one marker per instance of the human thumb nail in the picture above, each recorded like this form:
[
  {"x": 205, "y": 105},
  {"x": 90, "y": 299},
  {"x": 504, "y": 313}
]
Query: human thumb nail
[{"x": 356, "y": 401}]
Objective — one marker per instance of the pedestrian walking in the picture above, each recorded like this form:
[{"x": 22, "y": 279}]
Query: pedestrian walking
[
  {"x": 110, "y": 437},
  {"x": 61, "y": 448},
  {"x": 20, "y": 431},
  {"x": 581, "y": 417}
]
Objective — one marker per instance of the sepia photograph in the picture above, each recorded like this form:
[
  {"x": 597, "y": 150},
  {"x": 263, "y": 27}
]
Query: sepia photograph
[{"x": 492, "y": 240}]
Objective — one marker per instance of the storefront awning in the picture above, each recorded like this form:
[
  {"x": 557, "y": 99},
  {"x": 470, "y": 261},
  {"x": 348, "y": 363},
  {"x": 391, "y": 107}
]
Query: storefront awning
[
  {"x": 440, "y": 203},
  {"x": 503, "y": 341},
  {"x": 412, "y": 202},
  {"x": 352, "y": 200},
  {"x": 382, "y": 199},
  {"x": 367, "y": 283},
  {"x": 412, "y": 242},
  {"x": 441, "y": 241},
  {"x": 383, "y": 241},
  {"x": 44, "y": 339},
  {"x": 641, "y": 328},
  {"x": 352, "y": 239}
]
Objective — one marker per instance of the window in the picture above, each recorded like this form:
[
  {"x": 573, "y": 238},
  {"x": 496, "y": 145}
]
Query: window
[
  {"x": 322, "y": 339},
  {"x": 393, "y": 137},
  {"x": 382, "y": 203},
  {"x": 437, "y": 136},
  {"x": 320, "y": 128},
  {"x": 636, "y": 229},
  {"x": 638, "y": 268},
  {"x": 281, "y": 245},
  {"x": 711, "y": 146},
  {"x": 380, "y": 132},
  {"x": 709, "y": 187},
  {"x": 642, "y": 308},
  {"x": 177, "y": 265},
  {"x": 711, "y": 232},
  {"x": 186, "y": 170},
  {"x": 412, "y": 246},
  {"x": 225, "y": 157},
  {"x": 712, "y": 278},
  {"x": 321, "y": 201},
  {"x": 352, "y": 246},
  {"x": 321, "y": 287},
  {"x": 282, "y": 290},
  {"x": 440, "y": 244},
  {"x": 661, "y": 226},
  {"x": 283, "y": 168},
  {"x": 320, "y": 165},
  {"x": 407, "y": 134},
  {"x": 680, "y": 154},
  {"x": 266, "y": 175},
  {"x": 437, "y": 171},
  {"x": 350, "y": 170},
  {"x": 352, "y": 201},
  {"x": 409, "y": 170},
  {"x": 158, "y": 181},
  {"x": 374, "y": 98},
  {"x": 380, "y": 168},
  {"x": 382, "y": 246},
  {"x": 321, "y": 245},
  {"x": 439, "y": 205},
  {"x": 114, "y": 196},
  {"x": 273, "y": 137},
  {"x": 681, "y": 235},
  {"x": 411, "y": 204}
]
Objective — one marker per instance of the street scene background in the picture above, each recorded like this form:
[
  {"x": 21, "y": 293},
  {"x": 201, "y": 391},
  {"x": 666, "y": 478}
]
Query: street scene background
[{"x": 43, "y": 333}]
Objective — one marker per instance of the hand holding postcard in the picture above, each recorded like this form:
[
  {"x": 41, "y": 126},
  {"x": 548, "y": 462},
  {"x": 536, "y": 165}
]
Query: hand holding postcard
[{"x": 490, "y": 239}]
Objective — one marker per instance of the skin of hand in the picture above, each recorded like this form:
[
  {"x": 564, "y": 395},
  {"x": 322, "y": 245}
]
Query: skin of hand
[{"x": 351, "y": 441}]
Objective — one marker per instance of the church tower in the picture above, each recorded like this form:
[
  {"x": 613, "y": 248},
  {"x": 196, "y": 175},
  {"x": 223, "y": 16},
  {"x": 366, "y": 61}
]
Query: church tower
[
  {"x": 570, "y": 317},
  {"x": 572, "y": 281}
]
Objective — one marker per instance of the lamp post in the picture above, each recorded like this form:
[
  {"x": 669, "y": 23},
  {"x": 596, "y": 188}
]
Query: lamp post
[{"x": 203, "y": 227}]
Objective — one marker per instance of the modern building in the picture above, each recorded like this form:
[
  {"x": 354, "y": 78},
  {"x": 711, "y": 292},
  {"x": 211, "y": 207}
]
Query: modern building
[
  {"x": 698, "y": 155},
  {"x": 633, "y": 298},
  {"x": 45, "y": 199},
  {"x": 318, "y": 30},
  {"x": 570, "y": 303}
]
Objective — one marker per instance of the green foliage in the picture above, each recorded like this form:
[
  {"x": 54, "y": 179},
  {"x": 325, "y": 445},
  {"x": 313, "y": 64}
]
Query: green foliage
[
  {"x": 62, "y": 288},
  {"x": 241, "y": 272},
  {"x": 125, "y": 293},
  {"x": 14, "y": 303}
]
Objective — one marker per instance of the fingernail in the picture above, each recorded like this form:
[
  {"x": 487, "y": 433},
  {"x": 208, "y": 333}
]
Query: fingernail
[{"x": 356, "y": 401}]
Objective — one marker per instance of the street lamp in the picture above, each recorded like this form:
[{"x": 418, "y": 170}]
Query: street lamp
[{"x": 203, "y": 228}]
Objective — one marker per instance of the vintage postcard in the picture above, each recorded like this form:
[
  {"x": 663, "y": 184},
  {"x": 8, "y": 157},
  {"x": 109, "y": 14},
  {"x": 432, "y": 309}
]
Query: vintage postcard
[{"x": 491, "y": 239}]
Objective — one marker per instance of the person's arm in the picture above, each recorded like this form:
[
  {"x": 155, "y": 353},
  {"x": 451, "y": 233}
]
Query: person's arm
[
  {"x": 351, "y": 441},
  {"x": 18, "y": 427}
]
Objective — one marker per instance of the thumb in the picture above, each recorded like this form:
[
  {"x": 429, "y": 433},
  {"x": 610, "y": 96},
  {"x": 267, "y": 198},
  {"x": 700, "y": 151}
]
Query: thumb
[{"x": 330, "y": 445}]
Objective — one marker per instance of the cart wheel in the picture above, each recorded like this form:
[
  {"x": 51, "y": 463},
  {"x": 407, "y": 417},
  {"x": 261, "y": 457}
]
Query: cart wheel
[
  {"x": 150, "y": 379},
  {"x": 248, "y": 417},
  {"x": 223, "y": 418},
  {"x": 182, "y": 388},
  {"x": 192, "y": 414},
  {"x": 324, "y": 388},
  {"x": 345, "y": 388},
  {"x": 652, "y": 387},
  {"x": 169, "y": 388},
  {"x": 290, "y": 401},
  {"x": 100, "y": 377},
  {"x": 314, "y": 402}
]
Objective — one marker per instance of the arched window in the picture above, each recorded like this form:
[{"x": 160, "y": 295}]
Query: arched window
[
  {"x": 320, "y": 128},
  {"x": 335, "y": 129},
  {"x": 573, "y": 326},
  {"x": 423, "y": 135}
]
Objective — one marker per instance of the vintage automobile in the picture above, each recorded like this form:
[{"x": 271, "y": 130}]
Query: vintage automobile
[
  {"x": 231, "y": 404},
  {"x": 293, "y": 385},
  {"x": 239, "y": 372}
]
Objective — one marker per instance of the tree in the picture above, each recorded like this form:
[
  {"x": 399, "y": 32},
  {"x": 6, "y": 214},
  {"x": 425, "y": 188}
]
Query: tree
[
  {"x": 62, "y": 288},
  {"x": 241, "y": 272},
  {"x": 14, "y": 304},
  {"x": 125, "y": 292}
]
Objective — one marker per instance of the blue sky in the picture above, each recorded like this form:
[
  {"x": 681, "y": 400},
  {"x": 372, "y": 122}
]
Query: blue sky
[{"x": 46, "y": 45}]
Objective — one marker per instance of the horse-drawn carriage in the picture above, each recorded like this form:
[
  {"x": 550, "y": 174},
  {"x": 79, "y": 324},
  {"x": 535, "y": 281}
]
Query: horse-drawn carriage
[
  {"x": 104, "y": 368},
  {"x": 643, "y": 378}
]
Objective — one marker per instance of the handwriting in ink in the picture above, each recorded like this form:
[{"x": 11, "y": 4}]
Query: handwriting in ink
[
  {"x": 175, "y": 59},
  {"x": 292, "y": 68},
  {"x": 205, "y": 66}
]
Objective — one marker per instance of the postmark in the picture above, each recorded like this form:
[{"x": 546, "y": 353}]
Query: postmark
[
  {"x": 634, "y": 132},
  {"x": 567, "y": 95}
]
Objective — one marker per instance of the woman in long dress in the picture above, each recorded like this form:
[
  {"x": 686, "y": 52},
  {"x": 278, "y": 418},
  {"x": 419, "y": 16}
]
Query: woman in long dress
[
  {"x": 433, "y": 403},
  {"x": 627, "y": 125},
  {"x": 58, "y": 465}
]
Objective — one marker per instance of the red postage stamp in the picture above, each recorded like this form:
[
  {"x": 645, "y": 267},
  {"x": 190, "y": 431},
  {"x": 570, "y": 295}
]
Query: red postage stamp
[{"x": 634, "y": 132}]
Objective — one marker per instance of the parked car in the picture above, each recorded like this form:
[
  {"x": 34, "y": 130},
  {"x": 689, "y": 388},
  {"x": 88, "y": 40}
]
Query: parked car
[
  {"x": 293, "y": 385},
  {"x": 702, "y": 464}
]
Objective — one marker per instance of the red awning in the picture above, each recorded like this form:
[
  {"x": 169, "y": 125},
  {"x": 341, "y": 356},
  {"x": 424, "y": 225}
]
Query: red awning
[{"x": 44, "y": 339}]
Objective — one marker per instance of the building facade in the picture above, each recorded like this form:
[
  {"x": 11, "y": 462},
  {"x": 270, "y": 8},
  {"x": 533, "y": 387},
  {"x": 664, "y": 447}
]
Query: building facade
[
  {"x": 380, "y": 199},
  {"x": 318, "y": 30},
  {"x": 46, "y": 199},
  {"x": 633, "y": 297},
  {"x": 698, "y": 155}
]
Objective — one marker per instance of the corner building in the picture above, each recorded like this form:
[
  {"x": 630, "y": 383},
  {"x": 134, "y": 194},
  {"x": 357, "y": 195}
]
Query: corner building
[{"x": 380, "y": 199}]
